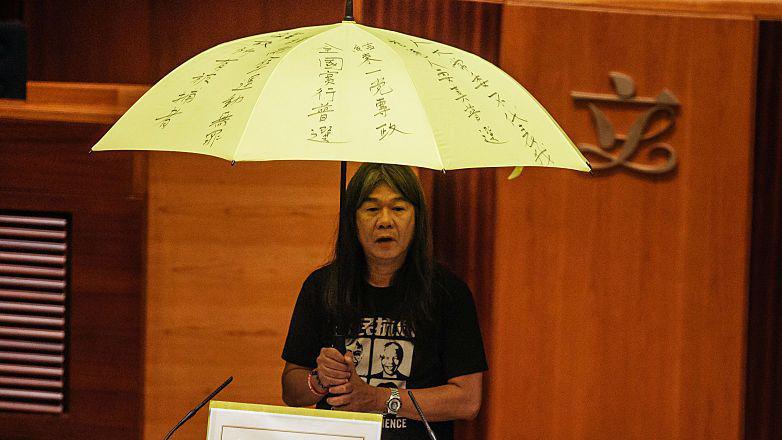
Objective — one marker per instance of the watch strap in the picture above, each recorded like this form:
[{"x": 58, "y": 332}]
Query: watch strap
[{"x": 394, "y": 402}]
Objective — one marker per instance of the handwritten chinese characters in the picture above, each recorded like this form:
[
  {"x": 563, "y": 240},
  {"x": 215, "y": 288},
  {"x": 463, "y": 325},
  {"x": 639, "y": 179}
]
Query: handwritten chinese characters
[
  {"x": 465, "y": 86},
  {"x": 445, "y": 66},
  {"x": 330, "y": 66},
  {"x": 259, "y": 53},
  {"x": 249, "y": 81},
  {"x": 379, "y": 90}
]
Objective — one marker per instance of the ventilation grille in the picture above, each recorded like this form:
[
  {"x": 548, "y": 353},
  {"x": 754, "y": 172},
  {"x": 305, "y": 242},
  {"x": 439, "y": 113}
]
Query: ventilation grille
[{"x": 33, "y": 286}]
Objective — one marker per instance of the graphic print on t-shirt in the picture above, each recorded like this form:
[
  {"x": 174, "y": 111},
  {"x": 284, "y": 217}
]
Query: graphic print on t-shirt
[{"x": 383, "y": 352}]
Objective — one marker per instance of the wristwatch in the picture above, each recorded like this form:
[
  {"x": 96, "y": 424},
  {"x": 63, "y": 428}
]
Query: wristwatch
[{"x": 394, "y": 403}]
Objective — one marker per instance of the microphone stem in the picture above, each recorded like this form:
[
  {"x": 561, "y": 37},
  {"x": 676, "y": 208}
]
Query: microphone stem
[
  {"x": 421, "y": 414},
  {"x": 199, "y": 406}
]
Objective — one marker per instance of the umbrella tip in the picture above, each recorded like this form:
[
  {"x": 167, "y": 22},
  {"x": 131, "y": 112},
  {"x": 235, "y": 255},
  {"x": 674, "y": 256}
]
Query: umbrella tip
[{"x": 515, "y": 173}]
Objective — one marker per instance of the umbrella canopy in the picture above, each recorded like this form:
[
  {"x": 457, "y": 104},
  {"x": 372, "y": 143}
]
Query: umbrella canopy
[{"x": 345, "y": 92}]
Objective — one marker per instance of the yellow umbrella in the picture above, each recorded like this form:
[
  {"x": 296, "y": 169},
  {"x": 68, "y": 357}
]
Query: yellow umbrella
[{"x": 345, "y": 92}]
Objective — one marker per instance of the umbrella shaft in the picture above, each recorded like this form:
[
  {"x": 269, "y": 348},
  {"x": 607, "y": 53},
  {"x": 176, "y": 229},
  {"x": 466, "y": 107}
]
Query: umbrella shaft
[
  {"x": 349, "y": 10},
  {"x": 343, "y": 173}
]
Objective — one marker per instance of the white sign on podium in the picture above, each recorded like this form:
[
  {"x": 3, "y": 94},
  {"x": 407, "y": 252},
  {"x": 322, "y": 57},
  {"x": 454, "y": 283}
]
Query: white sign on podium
[{"x": 245, "y": 421}]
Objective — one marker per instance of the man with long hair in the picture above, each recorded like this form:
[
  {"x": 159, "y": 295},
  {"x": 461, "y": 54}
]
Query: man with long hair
[{"x": 414, "y": 321}]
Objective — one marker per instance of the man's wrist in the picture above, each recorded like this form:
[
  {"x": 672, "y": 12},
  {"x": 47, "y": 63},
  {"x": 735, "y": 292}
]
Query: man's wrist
[
  {"x": 314, "y": 383},
  {"x": 390, "y": 402},
  {"x": 382, "y": 399}
]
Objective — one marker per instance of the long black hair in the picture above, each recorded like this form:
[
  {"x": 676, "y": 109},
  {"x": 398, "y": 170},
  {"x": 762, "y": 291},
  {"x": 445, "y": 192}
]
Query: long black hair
[{"x": 348, "y": 268}]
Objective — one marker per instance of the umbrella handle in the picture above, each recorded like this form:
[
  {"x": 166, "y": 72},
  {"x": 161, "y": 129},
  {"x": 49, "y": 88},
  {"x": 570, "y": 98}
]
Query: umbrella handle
[
  {"x": 349, "y": 11},
  {"x": 343, "y": 177}
]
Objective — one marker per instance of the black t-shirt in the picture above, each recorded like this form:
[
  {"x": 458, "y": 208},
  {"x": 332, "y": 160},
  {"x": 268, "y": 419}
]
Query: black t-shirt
[{"x": 387, "y": 354}]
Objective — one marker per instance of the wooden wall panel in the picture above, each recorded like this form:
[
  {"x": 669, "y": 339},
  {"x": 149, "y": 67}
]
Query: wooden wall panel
[
  {"x": 228, "y": 250},
  {"x": 46, "y": 167},
  {"x": 61, "y": 161},
  {"x": 472, "y": 26},
  {"x": 761, "y": 8},
  {"x": 139, "y": 42},
  {"x": 620, "y": 299},
  {"x": 183, "y": 28},
  {"x": 82, "y": 41}
]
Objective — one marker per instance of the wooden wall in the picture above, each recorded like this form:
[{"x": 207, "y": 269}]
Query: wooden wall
[
  {"x": 46, "y": 167},
  {"x": 620, "y": 299},
  {"x": 228, "y": 250},
  {"x": 130, "y": 41}
]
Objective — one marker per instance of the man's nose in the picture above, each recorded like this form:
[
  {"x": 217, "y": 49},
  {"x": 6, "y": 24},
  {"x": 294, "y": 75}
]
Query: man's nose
[{"x": 384, "y": 221}]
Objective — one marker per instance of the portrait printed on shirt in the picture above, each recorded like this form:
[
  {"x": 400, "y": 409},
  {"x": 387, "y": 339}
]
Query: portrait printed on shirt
[{"x": 383, "y": 352}]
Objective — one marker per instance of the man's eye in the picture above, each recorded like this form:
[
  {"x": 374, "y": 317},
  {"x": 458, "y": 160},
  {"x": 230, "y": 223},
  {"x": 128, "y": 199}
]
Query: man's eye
[
  {"x": 400, "y": 208},
  {"x": 371, "y": 209}
]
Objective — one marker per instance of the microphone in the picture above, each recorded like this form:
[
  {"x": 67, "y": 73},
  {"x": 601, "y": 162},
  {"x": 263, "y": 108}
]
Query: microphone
[
  {"x": 423, "y": 418},
  {"x": 199, "y": 406}
]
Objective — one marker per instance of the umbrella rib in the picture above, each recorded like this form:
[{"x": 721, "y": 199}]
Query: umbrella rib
[
  {"x": 269, "y": 80},
  {"x": 370, "y": 30}
]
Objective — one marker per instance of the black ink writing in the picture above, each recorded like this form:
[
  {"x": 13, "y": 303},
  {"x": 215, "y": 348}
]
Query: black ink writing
[{"x": 385, "y": 130}]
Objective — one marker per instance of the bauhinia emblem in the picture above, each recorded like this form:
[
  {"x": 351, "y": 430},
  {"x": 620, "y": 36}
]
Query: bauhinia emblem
[{"x": 662, "y": 107}]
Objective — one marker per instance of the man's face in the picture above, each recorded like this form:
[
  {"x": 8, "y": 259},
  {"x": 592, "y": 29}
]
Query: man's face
[
  {"x": 386, "y": 225},
  {"x": 357, "y": 352},
  {"x": 390, "y": 361}
]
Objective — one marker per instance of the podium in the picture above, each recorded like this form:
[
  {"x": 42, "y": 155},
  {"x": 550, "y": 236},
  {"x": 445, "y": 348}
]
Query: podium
[{"x": 234, "y": 421}]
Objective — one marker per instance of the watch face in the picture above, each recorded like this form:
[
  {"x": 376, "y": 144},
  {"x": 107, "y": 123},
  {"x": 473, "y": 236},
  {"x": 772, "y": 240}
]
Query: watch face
[{"x": 394, "y": 404}]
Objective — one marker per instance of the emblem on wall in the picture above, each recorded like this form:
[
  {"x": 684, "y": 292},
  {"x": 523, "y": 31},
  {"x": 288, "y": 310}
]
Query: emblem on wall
[{"x": 627, "y": 150}]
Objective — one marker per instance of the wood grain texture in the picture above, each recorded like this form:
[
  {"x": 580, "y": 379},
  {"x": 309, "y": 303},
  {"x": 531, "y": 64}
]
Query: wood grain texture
[
  {"x": 471, "y": 26},
  {"x": 44, "y": 166},
  {"x": 183, "y": 28},
  {"x": 87, "y": 103},
  {"x": 229, "y": 248},
  {"x": 39, "y": 156},
  {"x": 620, "y": 300},
  {"x": 758, "y": 8},
  {"x": 90, "y": 41},
  {"x": 138, "y": 42}
]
